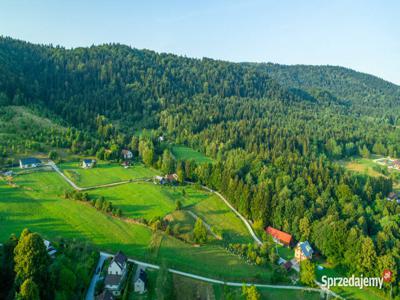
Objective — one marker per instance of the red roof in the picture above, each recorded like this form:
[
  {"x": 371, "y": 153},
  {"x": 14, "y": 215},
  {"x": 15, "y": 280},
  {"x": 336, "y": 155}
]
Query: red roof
[{"x": 279, "y": 235}]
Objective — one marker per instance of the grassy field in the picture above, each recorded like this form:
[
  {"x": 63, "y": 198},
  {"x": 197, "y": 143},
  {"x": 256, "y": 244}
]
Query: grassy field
[
  {"x": 148, "y": 200},
  {"x": 215, "y": 213},
  {"x": 104, "y": 173},
  {"x": 35, "y": 202},
  {"x": 365, "y": 166},
  {"x": 184, "y": 222},
  {"x": 186, "y": 153}
]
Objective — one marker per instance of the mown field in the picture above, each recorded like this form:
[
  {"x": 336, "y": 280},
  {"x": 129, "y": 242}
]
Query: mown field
[
  {"x": 104, "y": 173},
  {"x": 186, "y": 153},
  {"x": 364, "y": 166},
  {"x": 214, "y": 211},
  {"x": 36, "y": 202},
  {"x": 148, "y": 200}
]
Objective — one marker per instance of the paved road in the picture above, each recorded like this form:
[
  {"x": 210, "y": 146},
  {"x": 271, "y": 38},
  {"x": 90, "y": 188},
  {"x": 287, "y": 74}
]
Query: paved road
[
  {"x": 245, "y": 221},
  {"x": 96, "y": 275},
  {"x": 71, "y": 183},
  {"x": 229, "y": 283}
]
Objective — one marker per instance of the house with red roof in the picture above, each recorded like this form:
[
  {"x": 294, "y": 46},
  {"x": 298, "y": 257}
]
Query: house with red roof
[{"x": 279, "y": 237}]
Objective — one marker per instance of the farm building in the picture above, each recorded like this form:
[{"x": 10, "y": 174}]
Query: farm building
[
  {"x": 126, "y": 154},
  {"x": 279, "y": 237},
  {"x": 140, "y": 281},
  {"x": 303, "y": 251},
  {"x": 116, "y": 274},
  {"x": 30, "y": 162},
  {"x": 88, "y": 163}
]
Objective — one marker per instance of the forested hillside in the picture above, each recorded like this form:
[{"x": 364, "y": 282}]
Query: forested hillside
[{"x": 275, "y": 134}]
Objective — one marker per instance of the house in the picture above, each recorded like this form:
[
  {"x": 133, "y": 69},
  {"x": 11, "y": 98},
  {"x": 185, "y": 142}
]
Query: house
[
  {"x": 140, "y": 281},
  {"x": 50, "y": 249},
  {"x": 30, "y": 162},
  {"x": 126, "y": 154},
  {"x": 171, "y": 178},
  {"x": 88, "y": 163},
  {"x": 279, "y": 237},
  {"x": 396, "y": 164},
  {"x": 159, "y": 180},
  {"x": 105, "y": 295},
  {"x": 303, "y": 251},
  {"x": 116, "y": 274}
]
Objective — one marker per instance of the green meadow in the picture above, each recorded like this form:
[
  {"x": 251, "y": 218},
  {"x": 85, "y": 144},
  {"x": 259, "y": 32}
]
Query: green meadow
[
  {"x": 215, "y": 213},
  {"x": 104, "y": 173},
  {"x": 186, "y": 153},
  {"x": 148, "y": 200},
  {"x": 35, "y": 201}
]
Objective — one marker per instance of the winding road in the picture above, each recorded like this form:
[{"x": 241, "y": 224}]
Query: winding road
[
  {"x": 211, "y": 280},
  {"x": 104, "y": 255}
]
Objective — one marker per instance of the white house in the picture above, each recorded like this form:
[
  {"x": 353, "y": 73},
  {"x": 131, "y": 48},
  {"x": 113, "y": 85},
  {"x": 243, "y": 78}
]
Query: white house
[
  {"x": 50, "y": 249},
  {"x": 88, "y": 163},
  {"x": 116, "y": 274},
  {"x": 140, "y": 281},
  {"x": 30, "y": 162},
  {"x": 126, "y": 154},
  {"x": 159, "y": 180}
]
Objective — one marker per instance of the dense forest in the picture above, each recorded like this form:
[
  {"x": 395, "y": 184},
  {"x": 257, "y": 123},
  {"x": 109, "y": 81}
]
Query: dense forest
[{"x": 275, "y": 133}]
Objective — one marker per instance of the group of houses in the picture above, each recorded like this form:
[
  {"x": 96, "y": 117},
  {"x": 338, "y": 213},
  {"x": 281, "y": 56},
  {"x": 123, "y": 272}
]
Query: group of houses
[
  {"x": 169, "y": 178},
  {"x": 302, "y": 250},
  {"x": 116, "y": 275}
]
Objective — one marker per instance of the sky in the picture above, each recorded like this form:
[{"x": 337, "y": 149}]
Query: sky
[{"x": 360, "y": 34}]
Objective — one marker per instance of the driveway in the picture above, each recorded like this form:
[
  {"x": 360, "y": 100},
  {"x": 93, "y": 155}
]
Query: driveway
[{"x": 96, "y": 275}]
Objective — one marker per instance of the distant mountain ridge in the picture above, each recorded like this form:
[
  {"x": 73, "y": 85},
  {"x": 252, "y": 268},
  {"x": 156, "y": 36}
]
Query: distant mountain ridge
[{"x": 134, "y": 86}]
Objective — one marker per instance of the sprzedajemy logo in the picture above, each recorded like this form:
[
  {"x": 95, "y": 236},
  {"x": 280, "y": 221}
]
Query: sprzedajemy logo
[{"x": 359, "y": 282}]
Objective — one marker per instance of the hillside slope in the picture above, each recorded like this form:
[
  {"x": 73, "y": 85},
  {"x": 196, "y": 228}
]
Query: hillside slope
[{"x": 346, "y": 84}]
